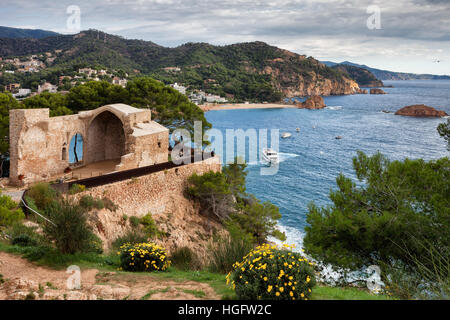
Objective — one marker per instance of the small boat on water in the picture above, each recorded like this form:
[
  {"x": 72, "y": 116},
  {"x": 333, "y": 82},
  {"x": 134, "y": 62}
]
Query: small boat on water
[
  {"x": 269, "y": 155},
  {"x": 338, "y": 137},
  {"x": 285, "y": 135},
  {"x": 298, "y": 129}
]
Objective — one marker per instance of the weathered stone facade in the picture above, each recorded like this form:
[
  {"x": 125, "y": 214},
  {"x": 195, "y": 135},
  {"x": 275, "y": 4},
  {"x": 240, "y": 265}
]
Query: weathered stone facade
[{"x": 39, "y": 144}]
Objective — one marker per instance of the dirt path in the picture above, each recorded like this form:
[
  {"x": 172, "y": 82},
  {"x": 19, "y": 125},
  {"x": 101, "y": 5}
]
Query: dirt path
[{"x": 24, "y": 280}]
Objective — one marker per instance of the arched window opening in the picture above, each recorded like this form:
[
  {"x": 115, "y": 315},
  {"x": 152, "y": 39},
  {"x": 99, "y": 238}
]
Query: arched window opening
[
  {"x": 76, "y": 148},
  {"x": 105, "y": 139}
]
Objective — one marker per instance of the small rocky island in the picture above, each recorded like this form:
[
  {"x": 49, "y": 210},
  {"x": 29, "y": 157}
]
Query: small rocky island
[
  {"x": 313, "y": 102},
  {"x": 377, "y": 91},
  {"x": 420, "y": 110}
]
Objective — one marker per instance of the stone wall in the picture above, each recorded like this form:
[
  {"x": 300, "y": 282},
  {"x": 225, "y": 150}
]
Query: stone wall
[
  {"x": 162, "y": 195},
  {"x": 39, "y": 145}
]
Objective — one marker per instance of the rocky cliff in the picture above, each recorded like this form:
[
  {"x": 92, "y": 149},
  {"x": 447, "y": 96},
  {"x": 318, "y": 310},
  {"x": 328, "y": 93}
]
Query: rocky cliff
[
  {"x": 298, "y": 76},
  {"x": 161, "y": 195}
]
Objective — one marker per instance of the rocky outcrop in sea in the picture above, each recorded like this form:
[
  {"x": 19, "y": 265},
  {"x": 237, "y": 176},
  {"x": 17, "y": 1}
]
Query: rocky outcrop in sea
[
  {"x": 313, "y": 102},
  {"x": 377, "y": 91},
  {"x": 420, "y": 110}
]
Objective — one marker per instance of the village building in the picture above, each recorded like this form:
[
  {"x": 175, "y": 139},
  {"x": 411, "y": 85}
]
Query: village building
[
  {"x": 12, "y": 87},
  {"x": 181, "y": 89},
  {"x": 47, "y": 87},
  {"x": 87, "y": 71},
  {"x": 22, "y": 93},
  {"x": 114, "y": 137},
  {"x": 120, "y": 82}
]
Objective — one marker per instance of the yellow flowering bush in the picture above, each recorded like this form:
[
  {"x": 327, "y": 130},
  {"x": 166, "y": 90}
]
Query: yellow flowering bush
[
  {"x": 272, "y": 273},
  {"x": 143, "y": 257}
]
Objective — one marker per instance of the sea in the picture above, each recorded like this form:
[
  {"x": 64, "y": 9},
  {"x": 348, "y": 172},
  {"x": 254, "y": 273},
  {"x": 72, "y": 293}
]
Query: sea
[{"x": 310, "y": 160}]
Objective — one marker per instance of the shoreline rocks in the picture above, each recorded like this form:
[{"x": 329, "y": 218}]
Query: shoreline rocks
[
  {"x": 420, "y": 110},
  {"x": 377, "y": 91},
  {"x": 313, "y": 102}
]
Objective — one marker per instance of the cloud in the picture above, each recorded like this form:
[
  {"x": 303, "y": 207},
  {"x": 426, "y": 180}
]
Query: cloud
[{"x": 323, "y": 28}]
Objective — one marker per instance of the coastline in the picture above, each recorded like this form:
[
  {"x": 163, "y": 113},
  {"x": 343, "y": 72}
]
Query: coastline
[{"x": 243, "y": 106}]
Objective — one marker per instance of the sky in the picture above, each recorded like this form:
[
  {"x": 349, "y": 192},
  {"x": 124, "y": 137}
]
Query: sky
[{"x": 398, "y": 35}]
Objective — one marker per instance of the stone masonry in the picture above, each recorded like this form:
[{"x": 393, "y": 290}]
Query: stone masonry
[{"x": 39, "y": 145}]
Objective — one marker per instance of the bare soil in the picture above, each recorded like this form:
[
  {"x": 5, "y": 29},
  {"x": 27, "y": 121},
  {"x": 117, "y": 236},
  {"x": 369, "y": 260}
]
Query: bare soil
[{"x": 25, "y": 280}]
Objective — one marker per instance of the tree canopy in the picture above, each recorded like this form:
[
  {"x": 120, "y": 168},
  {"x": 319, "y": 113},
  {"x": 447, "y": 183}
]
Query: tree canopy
[
  {"x": 444, "y": 131},
  {"x": 222, "y": 195},
  {"x": 374, "y": 220}
]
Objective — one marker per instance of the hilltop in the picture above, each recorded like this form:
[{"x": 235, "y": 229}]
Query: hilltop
[
  {"x": 244, "y": 71},
  {"x": 6, "y": 32},
  {"x": 389, "y": 75}
]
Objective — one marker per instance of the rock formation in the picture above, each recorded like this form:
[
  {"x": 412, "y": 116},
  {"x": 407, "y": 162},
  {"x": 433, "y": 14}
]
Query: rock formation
[
  {"x": 313, "y": 102},
  {"x": 377, "y": 91},
  {"x": 420, "y": 110}
]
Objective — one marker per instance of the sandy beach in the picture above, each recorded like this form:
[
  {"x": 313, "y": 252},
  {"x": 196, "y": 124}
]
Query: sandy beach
[{"x": 237, "y": 106}]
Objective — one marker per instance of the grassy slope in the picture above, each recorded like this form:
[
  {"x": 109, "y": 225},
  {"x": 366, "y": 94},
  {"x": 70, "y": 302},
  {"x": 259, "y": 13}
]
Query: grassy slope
[{"x": 215, "y": 280}]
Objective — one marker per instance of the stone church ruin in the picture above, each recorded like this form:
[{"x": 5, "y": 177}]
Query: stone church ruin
[{"x": 117, "y": 136}]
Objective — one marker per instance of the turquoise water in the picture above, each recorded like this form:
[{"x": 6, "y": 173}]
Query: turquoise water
[
  {"x": 312, "y": 158},
  {"x": 79, "y": 148}
]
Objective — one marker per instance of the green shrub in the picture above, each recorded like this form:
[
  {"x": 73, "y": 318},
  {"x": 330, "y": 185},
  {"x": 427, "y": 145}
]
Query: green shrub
[
  {"x": 24, "y": 235},
  {"x": 428, "y": 277},
  {"x": 149, "y": 226},
  {"x": 70, "y": 231},
  {"x": 134, "y": 221},
  {"x": 37, "y": 253},
  {"x": 143, "y": 257},
  {"x": 370, "y": 220},
  {"x": 77, "y": 188},
  {"x": 43, "y": 195},
  {"x": 1, "y": 279},
  {"x": 131, "y": 237},
  {"x": 184, "y": 258},
  {"x": 9, "y": 211},
  {"x": 256, "y": 219},
  {"x": 89, "y": 203},
  {"x": 8, "y": 217},
  {"x": 95, "y": 244},
  {"x": 270, "y": 273},
  {"x": 225, "y": 251},
  {"x": 7, "y": 202},
  {"x": 23, "y": 240}
]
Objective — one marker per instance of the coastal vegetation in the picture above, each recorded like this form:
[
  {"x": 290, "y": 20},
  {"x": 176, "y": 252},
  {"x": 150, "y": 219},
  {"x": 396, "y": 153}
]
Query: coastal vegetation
[
  {"x": 143, "y": 257},
  {"x": 9, "y": 212},
  {"x": 396, "y": 217},
  {"x": 444, "y": 132},
  {"x": 222, "y": 196},
  {"x": 363, "y": 77},
  {"x": 253, "y": 71},
  {"x": 269, "y": 273}
]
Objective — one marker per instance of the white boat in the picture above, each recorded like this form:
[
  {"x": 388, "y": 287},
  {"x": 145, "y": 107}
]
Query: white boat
[
  {"x": 285, "y": 135},
  {"x": 270, "y": 155}
]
